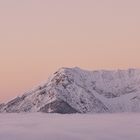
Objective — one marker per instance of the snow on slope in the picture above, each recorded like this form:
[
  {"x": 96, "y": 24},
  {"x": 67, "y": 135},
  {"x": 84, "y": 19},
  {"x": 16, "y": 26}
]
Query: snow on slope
[
  {"x": 72, "y": 90},
  {"x": 39, "y": 126}
]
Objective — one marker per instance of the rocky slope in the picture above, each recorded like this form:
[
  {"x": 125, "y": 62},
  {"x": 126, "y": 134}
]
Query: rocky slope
[{"x": 72, "y": 90}]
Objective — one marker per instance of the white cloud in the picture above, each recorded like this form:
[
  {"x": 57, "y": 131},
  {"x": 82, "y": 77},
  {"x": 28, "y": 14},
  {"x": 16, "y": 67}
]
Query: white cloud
[{"x": 69, "y": 127}]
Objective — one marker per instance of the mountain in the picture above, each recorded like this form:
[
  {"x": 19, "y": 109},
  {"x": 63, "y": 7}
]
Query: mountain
[{"x": 73, "y": 90}]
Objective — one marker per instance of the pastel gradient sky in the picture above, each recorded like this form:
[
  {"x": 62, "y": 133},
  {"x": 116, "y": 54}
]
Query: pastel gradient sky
[{"x": 39, "y": 36}]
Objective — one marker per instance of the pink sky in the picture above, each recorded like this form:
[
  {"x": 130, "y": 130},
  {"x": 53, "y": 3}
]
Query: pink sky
[{"x": 39, "y": 36}]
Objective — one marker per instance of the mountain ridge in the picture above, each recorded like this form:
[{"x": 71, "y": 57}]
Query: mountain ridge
[{"x": 73, "y": 90}]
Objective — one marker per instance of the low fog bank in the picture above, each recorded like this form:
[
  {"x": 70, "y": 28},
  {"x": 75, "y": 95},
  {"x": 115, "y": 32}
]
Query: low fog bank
[{"x": 70, "y": 127}]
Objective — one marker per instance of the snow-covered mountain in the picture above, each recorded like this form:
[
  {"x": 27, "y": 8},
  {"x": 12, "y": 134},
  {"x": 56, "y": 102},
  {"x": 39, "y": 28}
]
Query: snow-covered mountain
[{"x": 73, "y": 90}]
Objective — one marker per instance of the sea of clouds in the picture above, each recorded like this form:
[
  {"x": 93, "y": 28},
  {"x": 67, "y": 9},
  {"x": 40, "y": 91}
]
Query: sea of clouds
[{"x": 37, "y": 126}]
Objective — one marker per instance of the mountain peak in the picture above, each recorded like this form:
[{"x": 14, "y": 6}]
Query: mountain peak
[{"x": 71, "y": 90}]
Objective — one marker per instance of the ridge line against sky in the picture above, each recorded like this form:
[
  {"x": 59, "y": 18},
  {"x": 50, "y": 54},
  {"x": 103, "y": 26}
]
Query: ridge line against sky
[{"x": 39, "y": 36}]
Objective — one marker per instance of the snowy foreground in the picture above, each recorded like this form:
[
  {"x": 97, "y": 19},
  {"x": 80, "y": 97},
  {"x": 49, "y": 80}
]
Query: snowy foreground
[{"x": 70, "y": 127}]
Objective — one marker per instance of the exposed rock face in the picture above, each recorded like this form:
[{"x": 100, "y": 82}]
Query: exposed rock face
[
  {"x": 1, "y": 106},
  {"x": 58, "y": 106},
  {"x": 72, "y": 90}
]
